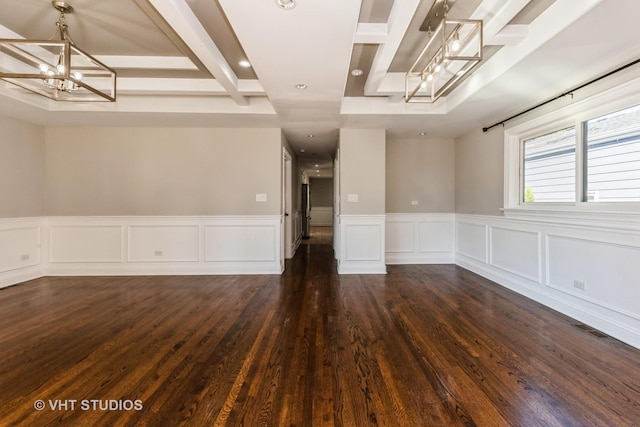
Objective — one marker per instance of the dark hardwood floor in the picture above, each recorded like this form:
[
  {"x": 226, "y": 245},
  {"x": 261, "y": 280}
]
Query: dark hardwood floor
[
  {"x": 422, "y": 346},
  {"x": 319, "y": 236}
]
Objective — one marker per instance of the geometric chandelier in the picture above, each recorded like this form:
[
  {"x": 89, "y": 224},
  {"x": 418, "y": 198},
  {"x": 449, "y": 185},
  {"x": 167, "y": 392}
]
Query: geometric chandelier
[
  {"x": 57, "y": 69},
  {"x": 453, "y": 50}
]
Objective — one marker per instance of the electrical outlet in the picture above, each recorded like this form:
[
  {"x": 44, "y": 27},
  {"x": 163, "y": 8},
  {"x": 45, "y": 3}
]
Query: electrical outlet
[
  {"x": 352, "y": 198},
  {"x": 158, "y": 253},
  {"x": 261, "y": 197},
  {"x": 414, "y": 203},
  {"x": 579, "y": 285},
  {"x": 25, "y": 257}
]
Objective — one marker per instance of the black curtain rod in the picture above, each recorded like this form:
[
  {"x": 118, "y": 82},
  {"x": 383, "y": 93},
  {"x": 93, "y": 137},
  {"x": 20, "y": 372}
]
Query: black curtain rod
[{"x": 569, "y": 92}]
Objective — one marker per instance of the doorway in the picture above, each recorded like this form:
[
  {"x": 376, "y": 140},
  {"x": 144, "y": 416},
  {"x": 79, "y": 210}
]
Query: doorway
[{"x": 320, "y": 211}]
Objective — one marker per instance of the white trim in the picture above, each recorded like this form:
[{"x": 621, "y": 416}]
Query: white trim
[
  {"x": 23, "y": 249},
  {"x": 362, "y": 244},
  {"x": 407, "y": 241},
  {"x": 624, "y": 95},
  {"x": 157, "y": 252},
  {"x": 604, "y": 304}
]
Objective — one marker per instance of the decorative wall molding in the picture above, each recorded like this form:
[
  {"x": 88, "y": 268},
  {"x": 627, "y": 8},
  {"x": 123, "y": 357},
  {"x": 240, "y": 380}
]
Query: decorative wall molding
[
  {"x": 584, "y": 271},
  {"x": 164, "y": 245},
  {"x": 419, "y": 238},
  {"x": 21, "y": 250},
  {"x": 362, "y": 244}
]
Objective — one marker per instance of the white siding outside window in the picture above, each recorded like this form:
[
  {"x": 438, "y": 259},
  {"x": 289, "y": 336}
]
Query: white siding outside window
[
  {"x": 613, "y": 157},
  {"x": 549, "y": 167}
]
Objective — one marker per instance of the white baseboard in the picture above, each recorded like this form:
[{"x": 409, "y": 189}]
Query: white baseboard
[{"x": 14, "y": 277}]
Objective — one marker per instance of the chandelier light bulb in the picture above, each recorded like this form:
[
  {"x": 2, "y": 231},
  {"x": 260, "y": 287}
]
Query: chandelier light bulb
[
  {"x": 77, "y": 75},
  {"x": 60, "y": 68},
  {"x": 455, "y": 44}
]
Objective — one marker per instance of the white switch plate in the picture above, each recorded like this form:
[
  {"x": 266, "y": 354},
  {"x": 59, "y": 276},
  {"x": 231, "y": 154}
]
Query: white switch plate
[
  {"x": 352, "y": 198},
  {"x": 261, "y": 197},
  {"x": 414, "y": 203}
]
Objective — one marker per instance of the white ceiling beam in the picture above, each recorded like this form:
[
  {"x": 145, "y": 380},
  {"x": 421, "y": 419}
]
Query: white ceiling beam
[
  {"x": 184, "y": 22},
  {"x": 147, "y": 62},
  {"x": 399, "y": 20},
  {"x": 509, "y": 35},
  {"x": 184, "y": 86},
  {"x": 371, "y": 33},
  {"x": 496, "y": 14}
]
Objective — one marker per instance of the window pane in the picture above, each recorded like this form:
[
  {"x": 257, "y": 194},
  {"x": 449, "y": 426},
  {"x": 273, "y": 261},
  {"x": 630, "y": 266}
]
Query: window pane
[
  {"x": 550, "y": 167},
  {"x": 613, "y": 157}
]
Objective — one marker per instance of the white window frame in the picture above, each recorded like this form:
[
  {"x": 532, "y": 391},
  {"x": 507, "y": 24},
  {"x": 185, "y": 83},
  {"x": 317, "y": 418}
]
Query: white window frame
[{"x": 607, "y": 101}]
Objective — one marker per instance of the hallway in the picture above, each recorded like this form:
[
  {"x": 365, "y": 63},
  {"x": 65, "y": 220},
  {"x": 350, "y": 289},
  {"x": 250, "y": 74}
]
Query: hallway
[{"x": 319, "y": 236}]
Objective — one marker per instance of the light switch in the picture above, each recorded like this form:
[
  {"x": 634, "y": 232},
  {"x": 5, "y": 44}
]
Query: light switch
[
  {"x": 414, "y": 203},
  {"x": 352, "y": 198},
  {"x": 261, "y": 197}
]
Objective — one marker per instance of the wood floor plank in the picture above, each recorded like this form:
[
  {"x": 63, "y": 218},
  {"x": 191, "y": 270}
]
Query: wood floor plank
[{"x": 425, "y": 345}]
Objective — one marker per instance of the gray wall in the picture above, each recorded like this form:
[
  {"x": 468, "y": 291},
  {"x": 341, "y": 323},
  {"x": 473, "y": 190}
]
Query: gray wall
[
  {"x": 479, "y": 170},
  {"x": 362, "y": 171},
  {"x": 162, "y": 171},
  {"x": 321, "y": 192},
  {"x": 22, "y": 166},
  {"x": 421, "y": 170}
]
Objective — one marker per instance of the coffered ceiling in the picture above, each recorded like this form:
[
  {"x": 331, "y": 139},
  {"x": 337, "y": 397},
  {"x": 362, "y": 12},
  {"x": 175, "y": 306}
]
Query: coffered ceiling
[{"x": 178, "y": 63}]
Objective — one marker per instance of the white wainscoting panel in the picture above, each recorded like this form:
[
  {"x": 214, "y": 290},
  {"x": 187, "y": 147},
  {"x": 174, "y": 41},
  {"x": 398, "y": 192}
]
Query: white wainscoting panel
[
  {"x": 472, "y": 240},
  {"x": 419, "y": 238},
  {"x": 164, "y": 243},
  {"x": 20, "y": 250},
  {"x": 516, "y": 251},
  {"x": 321, "y": 216},
  {"x": 608, "y": 271},
  {"x": 85, "y": 243},
  {"x": 227, "y": 242},
  {"x": 362, "y": 242},
  {"x": 550, "y": 262}
]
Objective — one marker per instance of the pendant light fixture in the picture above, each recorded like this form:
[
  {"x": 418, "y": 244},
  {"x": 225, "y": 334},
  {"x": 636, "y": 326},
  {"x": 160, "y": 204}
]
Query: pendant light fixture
[
  {"x": 57, "y": 69},
  {"x": 454, "y": 48}
]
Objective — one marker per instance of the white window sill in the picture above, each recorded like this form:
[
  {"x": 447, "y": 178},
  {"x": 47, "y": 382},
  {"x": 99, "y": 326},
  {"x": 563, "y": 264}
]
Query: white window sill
[{"x": 606, "y": 216}]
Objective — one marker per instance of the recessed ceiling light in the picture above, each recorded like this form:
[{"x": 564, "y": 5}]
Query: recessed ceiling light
[
  {"x": 286, "y": 4},
  {"x": 302, "y": 151},
  {"x": 244, "y": 63},
  {"x": 357, "y": 72},
  {"x": 316, "y": 165},
  {"x": 423, "y": 133},
  {"x": 301, "y": 86},
  {"x": 310, "y": 135},
  {"x": 317, "y": 170}
]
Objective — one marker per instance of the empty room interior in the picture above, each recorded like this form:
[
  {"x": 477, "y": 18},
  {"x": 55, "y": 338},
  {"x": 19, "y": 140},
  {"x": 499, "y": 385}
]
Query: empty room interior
[{"x": 320, "y": 213}]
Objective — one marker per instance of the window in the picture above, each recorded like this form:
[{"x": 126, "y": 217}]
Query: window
[
  {"x": 594, "y": 161},
  {"x": 549, "y": 167},
  {"x": 612, "y": 145}
]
